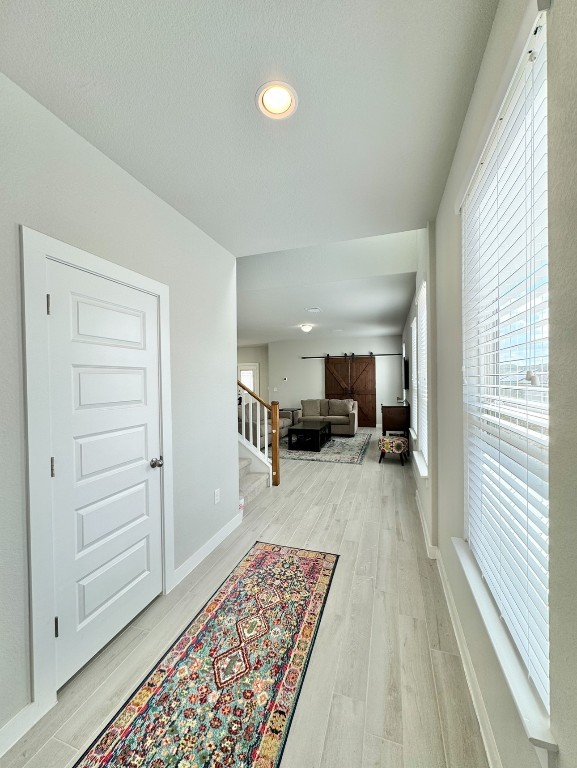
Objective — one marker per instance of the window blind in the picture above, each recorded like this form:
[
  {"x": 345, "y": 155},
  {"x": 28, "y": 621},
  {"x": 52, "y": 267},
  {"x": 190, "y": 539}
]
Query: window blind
[
  {"x": 422, "y": 372},
  {"x": 414, "y": 378},
  {"x": 505, "y": 355}
]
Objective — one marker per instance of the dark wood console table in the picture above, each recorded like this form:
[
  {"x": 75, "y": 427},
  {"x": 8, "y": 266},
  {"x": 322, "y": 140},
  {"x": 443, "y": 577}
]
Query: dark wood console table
[{"x": 396, "y": 418}]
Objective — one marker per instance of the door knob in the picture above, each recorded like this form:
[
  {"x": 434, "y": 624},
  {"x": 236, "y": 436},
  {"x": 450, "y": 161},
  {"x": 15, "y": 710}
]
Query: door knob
[{"x": 157, "y": 463}]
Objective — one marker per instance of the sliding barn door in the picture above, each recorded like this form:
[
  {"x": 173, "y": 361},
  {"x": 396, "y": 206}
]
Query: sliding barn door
[
  {"x": 363, "y": 388},
  {"x": 337, "y": 378},
  {"x": 353, "y": 378}
]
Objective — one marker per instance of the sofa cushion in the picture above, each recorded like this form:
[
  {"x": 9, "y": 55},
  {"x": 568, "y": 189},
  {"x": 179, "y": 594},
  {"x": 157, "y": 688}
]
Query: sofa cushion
[
  {"x": 338, "y": 419},
  {"x": 340, "y": 407},
  {"x": 311, "y": 407},
  {"x": 324, "y": 406}
]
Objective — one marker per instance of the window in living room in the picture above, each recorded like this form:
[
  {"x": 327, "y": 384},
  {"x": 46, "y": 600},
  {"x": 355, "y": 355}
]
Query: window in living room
[
  {"x": 422, "y": 373},
  {"x": 414, "y": 379},
  {"x": 505, "y": 357}
]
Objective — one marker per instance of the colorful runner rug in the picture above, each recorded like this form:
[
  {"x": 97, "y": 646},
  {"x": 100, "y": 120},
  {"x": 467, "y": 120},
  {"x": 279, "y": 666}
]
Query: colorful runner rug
[{"x": 224, "y": 694}]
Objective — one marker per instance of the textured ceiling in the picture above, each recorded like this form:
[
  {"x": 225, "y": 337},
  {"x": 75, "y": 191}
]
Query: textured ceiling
[
  {"x": 363, "y": 287},
  {"x": 167, "y": 91}
]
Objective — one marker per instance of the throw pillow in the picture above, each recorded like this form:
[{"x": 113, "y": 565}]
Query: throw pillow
[
  {"x": 311, "y": 407},
  {"x": 340, "y": 407}
]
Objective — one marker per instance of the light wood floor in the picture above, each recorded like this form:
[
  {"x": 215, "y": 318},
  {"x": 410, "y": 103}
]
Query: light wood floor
[{"x": 385, "y": 687}]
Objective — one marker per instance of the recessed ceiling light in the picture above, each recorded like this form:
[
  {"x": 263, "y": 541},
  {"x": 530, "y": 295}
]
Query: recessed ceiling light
[
  {"x": 313, "y": 309},
  {"x": 276, "y": 100},
  {"x": 306, "y": 327}
]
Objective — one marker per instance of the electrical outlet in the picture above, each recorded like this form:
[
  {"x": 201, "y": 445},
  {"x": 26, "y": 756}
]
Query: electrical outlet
[{"x": 217, "y": 495}]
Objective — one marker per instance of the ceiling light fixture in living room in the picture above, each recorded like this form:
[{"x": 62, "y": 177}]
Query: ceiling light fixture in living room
[
  {"x": 313, "y": 309},
  {"x": 306, "y": 327}
]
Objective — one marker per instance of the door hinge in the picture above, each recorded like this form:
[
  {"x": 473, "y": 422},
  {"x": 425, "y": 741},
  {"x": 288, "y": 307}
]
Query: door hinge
[
  {"x": 47, "y": 303},
  {"x": 56, "y": 626},
  {"x": 52, "y": 472}
]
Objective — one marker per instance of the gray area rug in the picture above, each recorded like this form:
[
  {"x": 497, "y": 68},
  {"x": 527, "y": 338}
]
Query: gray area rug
[{"x": 338, "y": 450}]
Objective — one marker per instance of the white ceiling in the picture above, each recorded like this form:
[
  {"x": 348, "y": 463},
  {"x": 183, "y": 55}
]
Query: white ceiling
[
  {"x": 167, "y": 91},
  {"x": 363, "y": 287}
]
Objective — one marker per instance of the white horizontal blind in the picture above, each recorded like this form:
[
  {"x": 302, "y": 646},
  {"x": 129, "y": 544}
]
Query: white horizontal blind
[
  {"x": 414, "y": 378},
  {"x": 505, "y": 333},
  {"x": 422, "y": 372}
]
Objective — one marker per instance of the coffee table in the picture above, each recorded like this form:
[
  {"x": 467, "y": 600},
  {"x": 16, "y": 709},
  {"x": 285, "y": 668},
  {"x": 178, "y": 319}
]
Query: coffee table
[{"x": 309, "y": 435}]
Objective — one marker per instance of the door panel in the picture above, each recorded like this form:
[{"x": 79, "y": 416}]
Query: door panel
[
  {"x": 108, "y": 517},
  {"x": 363, "y": 386},
  {"x": 104, "y": 323},
  {"x": 104, "y": 394},
  {"x": 337, "y": 379},
  {"x": 102, "y": 387},
  {"x": 98, "y": 589}
]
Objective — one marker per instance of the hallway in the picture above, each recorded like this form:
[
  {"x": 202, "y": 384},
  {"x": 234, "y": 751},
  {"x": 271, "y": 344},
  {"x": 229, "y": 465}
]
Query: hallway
[{"x": 385, "y": 687}]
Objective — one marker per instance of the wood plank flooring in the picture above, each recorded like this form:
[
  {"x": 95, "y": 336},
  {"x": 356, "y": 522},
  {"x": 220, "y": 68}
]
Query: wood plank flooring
[{"x": 385, "y": 687}]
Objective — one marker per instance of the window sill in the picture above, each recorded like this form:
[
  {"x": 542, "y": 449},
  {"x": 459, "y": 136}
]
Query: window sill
[
  {"x": 534, "y": 717},
  {"x": 421, "y": 464}
]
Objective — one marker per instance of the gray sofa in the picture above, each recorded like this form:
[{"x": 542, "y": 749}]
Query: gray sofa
[
  {"x": 343, "y": 415},
  {"x": 285, "y": 421}
]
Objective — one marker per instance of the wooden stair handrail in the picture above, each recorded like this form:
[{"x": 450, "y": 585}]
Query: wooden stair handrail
[
  {"x": 274, "y": 409},
  {"x": 275, "y": 444},
  {"x": 253, "y": 394}
]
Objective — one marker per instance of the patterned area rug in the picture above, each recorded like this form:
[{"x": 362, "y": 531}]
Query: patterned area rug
[
  {"x": 340, "y": 450},
  {"x": 224, "y": 694}
]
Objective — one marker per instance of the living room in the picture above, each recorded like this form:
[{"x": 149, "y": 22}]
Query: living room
[{"x": 358, "y": 307}]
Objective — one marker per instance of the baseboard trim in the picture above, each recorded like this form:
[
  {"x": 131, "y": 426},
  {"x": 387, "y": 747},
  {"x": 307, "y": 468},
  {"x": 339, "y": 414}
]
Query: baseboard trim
[
  {"x": 476, "y": 695},
  {"x": 21, "y": 723},
  {"x": 189, "y": 565},
  {"x": 432, "y": 551}
]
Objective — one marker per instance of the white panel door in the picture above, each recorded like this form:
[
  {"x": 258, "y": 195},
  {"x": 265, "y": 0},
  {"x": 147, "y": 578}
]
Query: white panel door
[
  {"x": 248, "y": 374},
  {"x": 104, "y": 395}
]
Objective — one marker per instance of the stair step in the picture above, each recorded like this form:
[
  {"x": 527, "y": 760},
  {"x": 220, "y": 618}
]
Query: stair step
[
  {"x": 252, "y": 484},
  {"x": 243, "y": 467}
]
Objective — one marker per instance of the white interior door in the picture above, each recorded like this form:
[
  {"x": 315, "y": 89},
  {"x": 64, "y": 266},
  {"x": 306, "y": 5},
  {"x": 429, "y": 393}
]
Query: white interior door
[
  {"x": 247, "y": 374},
  {"x": 105, "y": 429}
]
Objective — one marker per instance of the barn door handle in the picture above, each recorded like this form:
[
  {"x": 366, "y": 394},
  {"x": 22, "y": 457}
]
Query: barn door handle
[{"x": 157, "y": 463}]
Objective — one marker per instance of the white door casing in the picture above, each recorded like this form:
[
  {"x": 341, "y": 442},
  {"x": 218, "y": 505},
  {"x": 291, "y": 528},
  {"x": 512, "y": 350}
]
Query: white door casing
[
  {"x": 106, "y": 498},
  {"x": 37, "y": 251}
]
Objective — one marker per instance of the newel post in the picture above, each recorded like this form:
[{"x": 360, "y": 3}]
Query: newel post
[{"x": 275, "y": 442}]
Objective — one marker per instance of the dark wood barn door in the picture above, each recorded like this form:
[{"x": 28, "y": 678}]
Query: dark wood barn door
[
  {"x": 337, "y": 379},
  {"x": 363, "y": 388},
  {"x": 353, "y": 378}
]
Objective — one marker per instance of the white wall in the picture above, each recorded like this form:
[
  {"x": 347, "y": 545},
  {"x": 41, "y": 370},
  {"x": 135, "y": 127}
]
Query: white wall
[
  {"x": 563, "y": 361},
  {"x": 258, "y": 354},
  {"x": 510, "y": 31},
  {"x": 306, "y": 378},
  {"x": 53, "y": 181}
]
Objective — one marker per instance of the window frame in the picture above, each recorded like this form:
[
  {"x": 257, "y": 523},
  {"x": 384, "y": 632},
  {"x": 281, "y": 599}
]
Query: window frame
[{"x": 490, "y": 378}]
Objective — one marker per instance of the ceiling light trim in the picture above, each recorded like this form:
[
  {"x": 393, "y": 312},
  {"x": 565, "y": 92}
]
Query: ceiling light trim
[{"x": 268, "y": 88}]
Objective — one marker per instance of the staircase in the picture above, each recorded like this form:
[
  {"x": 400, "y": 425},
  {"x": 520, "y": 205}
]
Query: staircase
[
  {"x": 250, "y": 483},
  {"x": 258, "y": 428}
]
